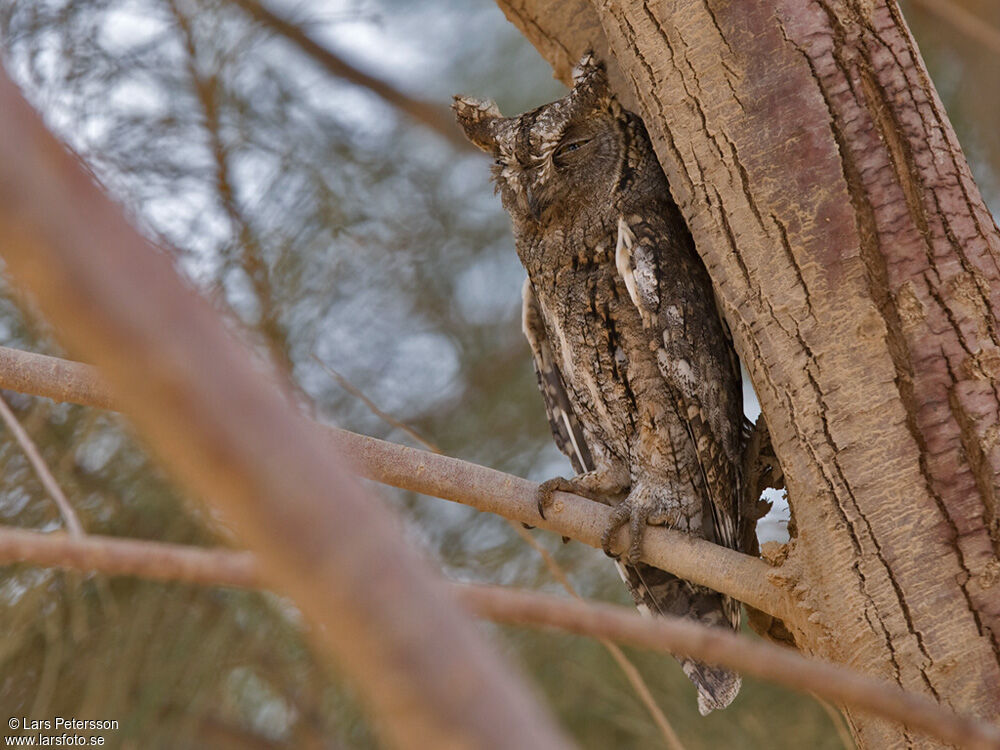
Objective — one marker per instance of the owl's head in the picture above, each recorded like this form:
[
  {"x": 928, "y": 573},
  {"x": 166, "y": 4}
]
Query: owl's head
[{"x": 554, "y": 162}]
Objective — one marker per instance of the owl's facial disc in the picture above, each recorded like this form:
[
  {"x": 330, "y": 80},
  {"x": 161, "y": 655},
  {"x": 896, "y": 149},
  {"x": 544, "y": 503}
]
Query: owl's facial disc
[{"x": 556, "y": 160}]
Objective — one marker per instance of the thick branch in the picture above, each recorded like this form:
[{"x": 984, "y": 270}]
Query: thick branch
[
  {"x": 740, "y": 576},
  {"x": 161, "y": 561},
  {"x": 231, "y": 436}
]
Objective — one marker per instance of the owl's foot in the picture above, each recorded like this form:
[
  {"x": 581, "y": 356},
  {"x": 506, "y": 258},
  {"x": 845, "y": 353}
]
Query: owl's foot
[
  {"x": 604, "y": 486},
  {"x": 636, "y": 510},
  {"x": 548, "y": 488}
]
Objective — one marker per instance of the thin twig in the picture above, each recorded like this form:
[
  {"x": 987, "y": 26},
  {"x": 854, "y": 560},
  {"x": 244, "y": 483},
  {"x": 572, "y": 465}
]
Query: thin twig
[
  {"x": 251, "y": 253},
  {"x": 431, "y": 115},
  {"x": 374, "y": 408},
  {"x": 163, "y": 561},
  {"x": 48, "y": 481},
  {"x": 837, "y": 719},
  {"x": 632, "y": 674}
]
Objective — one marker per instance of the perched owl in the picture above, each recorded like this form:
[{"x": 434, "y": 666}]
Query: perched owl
[{"x": 640, "y": 380}]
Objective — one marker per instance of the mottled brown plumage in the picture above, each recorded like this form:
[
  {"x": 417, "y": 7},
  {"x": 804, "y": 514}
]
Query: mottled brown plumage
[{"x": 640, "y": 381}]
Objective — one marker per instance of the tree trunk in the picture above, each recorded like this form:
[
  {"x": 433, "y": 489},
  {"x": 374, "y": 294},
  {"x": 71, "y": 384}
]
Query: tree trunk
[{"x": 858, "y": 269}]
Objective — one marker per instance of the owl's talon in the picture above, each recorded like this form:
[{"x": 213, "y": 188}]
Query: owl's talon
[
  {"x": 619, "y": 518},
  {"x": 637, "y": 528},
  {"x": 635, "y": 515},
  {"x": 547, "y": 489}
]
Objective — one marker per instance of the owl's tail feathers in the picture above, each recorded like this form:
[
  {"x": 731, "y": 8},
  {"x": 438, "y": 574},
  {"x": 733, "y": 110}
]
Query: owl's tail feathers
[
  {"x": 657, "y": 592},
  {"x": 717, "y": 687}
]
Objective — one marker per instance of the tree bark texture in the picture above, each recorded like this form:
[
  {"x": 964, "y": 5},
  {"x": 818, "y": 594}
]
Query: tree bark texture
[{"x": 858, "y": 269}]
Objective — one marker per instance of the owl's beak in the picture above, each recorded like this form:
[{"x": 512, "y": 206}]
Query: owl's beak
[{"x": 533, "y": 205}]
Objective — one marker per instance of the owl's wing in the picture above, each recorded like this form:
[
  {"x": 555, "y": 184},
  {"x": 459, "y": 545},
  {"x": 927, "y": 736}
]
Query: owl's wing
[
  {"x": 657, "y": 264},
  {"x": 566, "y": 428},
  {"x": 655, "y": 591}
]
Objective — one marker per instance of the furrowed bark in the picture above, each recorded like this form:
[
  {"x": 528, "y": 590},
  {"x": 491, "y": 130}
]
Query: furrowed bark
[{"x": 858, "y": 268}]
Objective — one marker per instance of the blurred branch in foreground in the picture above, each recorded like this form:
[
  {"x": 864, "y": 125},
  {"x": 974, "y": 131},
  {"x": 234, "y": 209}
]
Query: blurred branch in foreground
[
  {"x": 162, "y": 561},
  {"x": 965, "y": 21},
  {"x": 435, "y": 117},
  {"x": 231, "y": 436},
  {"x": 746, "y": 578}
]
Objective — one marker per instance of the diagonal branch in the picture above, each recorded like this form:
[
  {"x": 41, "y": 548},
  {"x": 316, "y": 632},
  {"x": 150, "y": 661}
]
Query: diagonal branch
[
  {"x": 162, "y": 561},
  {"x": 41, "y": 469},
  {"x": 430, "y": 115},
  {"x": 252, "y": 258},
  {"x": 740, "y": 576}
]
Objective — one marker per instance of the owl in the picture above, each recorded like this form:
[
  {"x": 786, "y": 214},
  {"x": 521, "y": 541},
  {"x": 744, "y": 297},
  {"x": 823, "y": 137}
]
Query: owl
[{"x": 640, "y": 380}]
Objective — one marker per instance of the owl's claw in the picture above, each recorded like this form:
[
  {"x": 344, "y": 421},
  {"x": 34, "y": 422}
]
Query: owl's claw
[
  {"x": 548, "y": 488},
  {"x": 635, "y": 515}
]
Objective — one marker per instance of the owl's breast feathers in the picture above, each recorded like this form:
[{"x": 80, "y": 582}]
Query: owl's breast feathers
[{"x": 630, "y": 328}]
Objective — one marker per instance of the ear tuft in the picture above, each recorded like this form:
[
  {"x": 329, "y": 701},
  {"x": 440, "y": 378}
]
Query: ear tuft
[
  {"x": 590, "y": 81},
  {"x": 588, "y": 67},
  {"x": 476, "y": 117}
]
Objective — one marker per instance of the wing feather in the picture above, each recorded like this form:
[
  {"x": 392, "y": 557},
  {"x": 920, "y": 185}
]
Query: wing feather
[
  {"x": 566, "y": 428},
  {"x": 655, "y": 591},
  {"x": 704, "y": 378}
]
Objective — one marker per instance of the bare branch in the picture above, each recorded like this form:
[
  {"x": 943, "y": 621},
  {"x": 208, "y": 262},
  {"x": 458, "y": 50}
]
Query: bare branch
[
  {"x": 158, "y": 561},
  {"x": 352, "y": 389},
  {"x": 163, "y": 561},
  {"x": 430, "y": 115},
  {"x": 61, "y": 380},
  {"x": 740, "y": 576},
  {"x": 232, "y": 436},
  {"x": 725, "y": 648},
  {"x": 41, "y": 469}
]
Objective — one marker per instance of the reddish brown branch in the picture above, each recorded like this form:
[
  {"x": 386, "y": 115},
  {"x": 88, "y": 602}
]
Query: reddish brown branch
[
  {"x": 740, "y": 576},
  {"x": 161, "y": 561}
]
